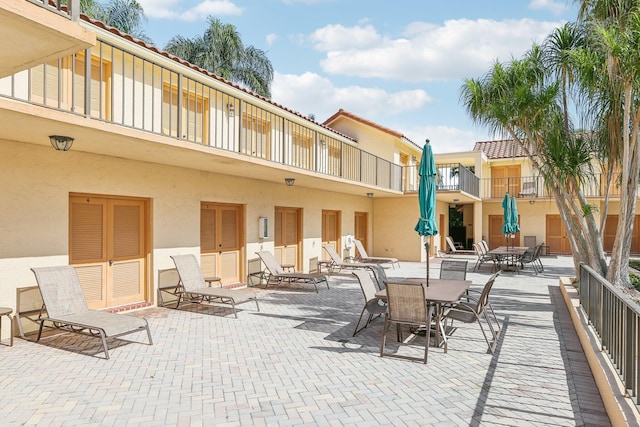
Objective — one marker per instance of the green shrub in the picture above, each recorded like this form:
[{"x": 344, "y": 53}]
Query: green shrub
[{"x": 635, "y": 281}]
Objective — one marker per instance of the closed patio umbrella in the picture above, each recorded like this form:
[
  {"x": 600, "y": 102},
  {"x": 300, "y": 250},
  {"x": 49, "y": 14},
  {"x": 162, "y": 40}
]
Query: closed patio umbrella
[
  {"x": 514, "y": 216},
  {"x": 427, "y": 198},
  {"x": 507, "y": 225}
]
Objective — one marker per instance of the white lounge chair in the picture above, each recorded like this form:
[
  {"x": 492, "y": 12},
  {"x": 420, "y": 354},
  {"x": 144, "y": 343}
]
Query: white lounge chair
[
  {"x": 376, "y": 260},
  {"x": 275, "y": 273},
  {"x": 338, "y": 263},
  {"x": 67, "y": 309},
  {"x": 193, "y": 286}
]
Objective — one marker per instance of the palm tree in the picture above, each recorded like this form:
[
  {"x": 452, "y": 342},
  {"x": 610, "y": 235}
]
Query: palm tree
[
  {"x": 125, "y": 15},
  {"x": 220, "y": 51}
]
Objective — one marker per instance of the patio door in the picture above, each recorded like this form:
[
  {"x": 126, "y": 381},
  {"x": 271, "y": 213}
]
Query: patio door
[
  {"x": 221, "y": 240},
  {"x": 287, "y": 236},
  {"x": 330, "y": 231},
  {"x": 610, "y": 234},
  {"x": 505, "y": 179},
  {"x": 496, "y": 238},
  {"x": 108, "y": 247},
  {"x": 360, "y": 229},
  {"x": 556, "y": 236}
]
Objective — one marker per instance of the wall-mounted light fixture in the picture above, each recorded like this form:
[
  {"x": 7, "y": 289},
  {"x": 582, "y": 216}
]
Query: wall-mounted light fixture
[
  {"x": 414, "y": 159},
  {"x": 61, "y": 143},
  {"x": 231, "y": 109},
  {"x": 370, "y": 195},
  {"x": 323, "y": 142},
  {"x": 289, "y": 181},
  {"x": 531, "y": 202}
]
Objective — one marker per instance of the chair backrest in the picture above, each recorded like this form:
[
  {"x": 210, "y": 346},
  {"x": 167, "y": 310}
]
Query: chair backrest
[
  {"x": 530, "y": 241},
  {"x": 189, "y": 272},
  {"x": 453, "y": 269},
  {"x": 484, "y": 246},
  {"x": 361, "y": 250},
  {"x": 380, "y": 275},
  {"x": 528, "y": 255},
  {"x": 406, "y": 303},
  {"x": 61, "y": 291},
  {"x": 333, "y": 254},
  {"x": 366, "y": 284},
  {"x": 478, "y": 248},
  {"x": 271, "y": 263},
  {"x": 484, "y": 296},
  {"x": 450, "y": 243}
]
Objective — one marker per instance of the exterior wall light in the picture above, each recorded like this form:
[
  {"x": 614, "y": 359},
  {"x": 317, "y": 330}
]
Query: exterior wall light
[
  {"x": 289, "y": 181},
  {"x": 61, "y": 143},
  {"x": 231, "y": 109},
  {"x": 370, "y": 195},
  {"x": 531, "y": 202}
]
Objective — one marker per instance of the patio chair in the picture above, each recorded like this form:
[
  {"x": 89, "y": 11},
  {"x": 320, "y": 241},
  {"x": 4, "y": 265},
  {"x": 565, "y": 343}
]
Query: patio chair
[
  {"x": 528, "y": 189},
  {"x": 372, "y": 304},
  {"x": 453, "y": 269},
  {"x": 363, "y": 257},
  {"x": 276, "y": 274},
  {"x": 484, "y": 257},
  {"x": 406, "y": 305},
  {"x": 473, "y": 307},
  {"x": 193, "y": 287},
  {"x": 338, "y": 263},
  {"x": 67, "y": 309},
  {"x": 455, "y": 247},
  {"x": 532, "y": 256}
]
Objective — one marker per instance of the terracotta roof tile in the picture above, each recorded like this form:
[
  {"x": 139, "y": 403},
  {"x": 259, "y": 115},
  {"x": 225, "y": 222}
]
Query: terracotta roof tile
[
  {"x": 500, "y": 149},
  {"x": 343, "y": 113}
]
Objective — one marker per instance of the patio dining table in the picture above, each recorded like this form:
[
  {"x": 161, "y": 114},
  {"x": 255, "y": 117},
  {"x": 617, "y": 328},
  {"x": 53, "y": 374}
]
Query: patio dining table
[
  {"x": 507, "y": 256},
  {"x": 439, "y": 292}
]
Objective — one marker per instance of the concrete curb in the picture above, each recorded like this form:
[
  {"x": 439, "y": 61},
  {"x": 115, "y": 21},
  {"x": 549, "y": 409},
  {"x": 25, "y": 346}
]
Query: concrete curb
[{"x": 620, "y": 409}]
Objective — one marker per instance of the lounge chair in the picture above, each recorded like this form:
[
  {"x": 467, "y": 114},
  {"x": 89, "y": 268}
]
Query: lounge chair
[
  {"x": 372, "y": 304},
  {"x": 67, "y": 309},
  {"x": 275, "y": 273},
  {"x": 193, "y": 287},
  {"x": 338, "y": 263},
  {"x": 455, "y": 247},
  {"x": 473, "y": 308},
  {"x": 375, "y": 260}
]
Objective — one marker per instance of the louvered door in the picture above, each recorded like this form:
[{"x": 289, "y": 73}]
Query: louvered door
[
  {"x": 221, "y": 241},
  {"x": 331, "y": 231},
  {"x": 107, "y": 247},
  {"x": 287, "y": 236}
]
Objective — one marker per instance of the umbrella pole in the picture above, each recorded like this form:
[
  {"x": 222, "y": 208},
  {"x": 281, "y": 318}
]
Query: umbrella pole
[{"x": 426, "y": 248}]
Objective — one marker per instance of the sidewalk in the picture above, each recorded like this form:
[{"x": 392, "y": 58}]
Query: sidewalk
[{"x": 296, "y": 363}]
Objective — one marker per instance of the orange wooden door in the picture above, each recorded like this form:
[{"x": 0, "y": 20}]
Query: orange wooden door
[
  {"x": 505, "y": 179},
  {"x": 330, "y": 231},
  {"x": 221, "y": 241},
  {"x": 288, "y": 236},
  {"x": 107, "y": 246},
  {"x": 610, "y": 234},
  {"x": 360, "y": 229},
  {"x": 496, "y": 238},
  {"x": 556, "y": 236}
]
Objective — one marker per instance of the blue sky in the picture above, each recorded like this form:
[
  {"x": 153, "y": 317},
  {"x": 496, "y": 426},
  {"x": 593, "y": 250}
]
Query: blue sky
[{"x": 397, "y": 63}]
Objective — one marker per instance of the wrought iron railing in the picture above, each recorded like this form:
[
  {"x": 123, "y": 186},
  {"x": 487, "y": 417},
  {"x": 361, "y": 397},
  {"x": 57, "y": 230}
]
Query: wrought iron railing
[
  {"x": 450, "y": 177},
  {"x": 616, "y": 319},
  {"x": 121, "y": 87},
  {"x": 70, "y": 8},
  {"x": 534, "y": 187}
]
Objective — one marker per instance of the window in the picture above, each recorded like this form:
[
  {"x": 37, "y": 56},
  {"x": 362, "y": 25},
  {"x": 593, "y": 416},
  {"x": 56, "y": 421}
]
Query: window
[
  {"x": 255, "y": 139},
  {"x": 194, "y": 111}
]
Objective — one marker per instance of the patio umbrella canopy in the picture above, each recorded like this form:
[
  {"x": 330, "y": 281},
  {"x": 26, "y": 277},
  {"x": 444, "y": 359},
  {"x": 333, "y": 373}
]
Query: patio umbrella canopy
[
  {"x": 510, "y": 212},
  {"x": 514, "y": 216},
  {"x": 427, "y": 198}
]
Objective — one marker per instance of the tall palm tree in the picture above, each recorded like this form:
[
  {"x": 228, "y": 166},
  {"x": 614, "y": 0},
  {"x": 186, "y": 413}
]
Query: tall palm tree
[
  {"x": 125, "y": 15},
  {"x": 220, "y": 50}
]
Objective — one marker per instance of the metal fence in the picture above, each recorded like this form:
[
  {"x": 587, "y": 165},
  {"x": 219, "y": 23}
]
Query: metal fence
[
  {"x": 70, "y": 8},
  {"x": 534, "y": 187},
  {"x": 615, "y": 318},
  {"x": 113, "y": 85},
  {"x": 449, "y": 177}
]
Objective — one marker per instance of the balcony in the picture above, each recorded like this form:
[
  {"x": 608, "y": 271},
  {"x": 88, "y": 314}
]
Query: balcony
[
  {"x": 532, "y": 187},
  {"x": 37, "y": 31},
  {"x": 153, "y": 97},
  {"x": 453, "y": 179}
]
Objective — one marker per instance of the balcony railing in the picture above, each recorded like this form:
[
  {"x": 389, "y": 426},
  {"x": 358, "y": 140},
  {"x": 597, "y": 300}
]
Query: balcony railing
[
  {"x": 616, "y": 320},
  {"x": 533, "y": 187},
  {"x": 450, "y": 177},
  {"x": 120, "y": 87},
  {"x": 70, "y": 8}
]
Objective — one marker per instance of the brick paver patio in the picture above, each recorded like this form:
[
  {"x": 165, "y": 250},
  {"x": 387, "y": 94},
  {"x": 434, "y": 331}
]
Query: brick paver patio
[{"x": 296, "y": 363}]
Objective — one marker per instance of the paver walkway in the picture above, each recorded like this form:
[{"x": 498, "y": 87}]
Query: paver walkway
[{"x": 296, "y": 363}]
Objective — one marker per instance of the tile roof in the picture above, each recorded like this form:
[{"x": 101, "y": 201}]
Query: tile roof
[
  {"x": 500, "y": 149},
  {"x": 343, "y": 113}
]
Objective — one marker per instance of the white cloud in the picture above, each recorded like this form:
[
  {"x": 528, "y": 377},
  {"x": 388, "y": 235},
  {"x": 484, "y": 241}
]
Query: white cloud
[
  {"x": 310, "y": 93},
  {"x": 555, "y": 7},
  {"x": 271, "y": 38},
  {"x": 170, "y": 9},
  {"x": 451, "y": 51},
  {"x": 444, "y": 139}
]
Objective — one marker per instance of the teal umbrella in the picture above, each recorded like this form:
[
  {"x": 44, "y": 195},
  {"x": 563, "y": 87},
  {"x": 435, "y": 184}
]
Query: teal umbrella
[
  {"x": 507, "y": 225},
  {"x": 427, "y": 198},
  {"x": 514, "y": 216}
]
